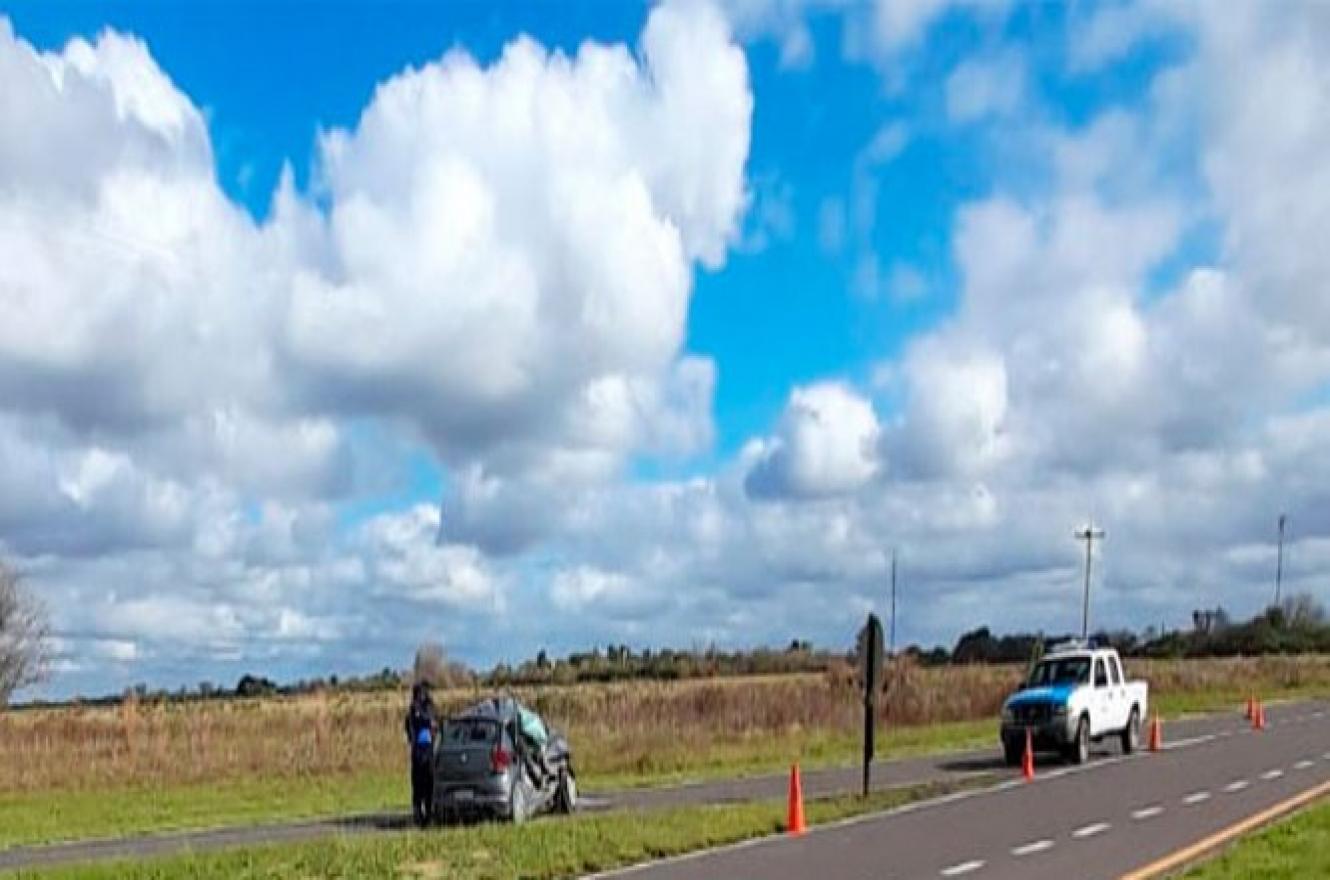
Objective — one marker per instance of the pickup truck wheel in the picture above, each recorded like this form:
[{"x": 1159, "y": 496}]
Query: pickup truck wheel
[
  {"x": 1131, "y": 734},
  {"x": 1080, "y": 747},
  {"x": 1012, "y": 752}
]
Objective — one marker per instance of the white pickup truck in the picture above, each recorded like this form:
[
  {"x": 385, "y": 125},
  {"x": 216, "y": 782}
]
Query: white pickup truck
[{"x": 1074, "y": 695}]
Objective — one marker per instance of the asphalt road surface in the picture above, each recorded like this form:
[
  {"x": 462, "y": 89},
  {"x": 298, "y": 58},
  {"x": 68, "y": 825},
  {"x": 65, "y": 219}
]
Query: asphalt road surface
[
  {"x": 1111, "y": 819},
  {"x": 817, "y": 783}
]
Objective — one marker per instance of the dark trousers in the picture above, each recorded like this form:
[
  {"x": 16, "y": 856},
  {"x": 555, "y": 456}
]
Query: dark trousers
[{"x": 422, "y": 787}]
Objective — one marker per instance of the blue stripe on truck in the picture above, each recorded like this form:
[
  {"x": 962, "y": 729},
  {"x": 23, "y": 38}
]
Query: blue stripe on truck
[{"x": 1058, "y": 693}]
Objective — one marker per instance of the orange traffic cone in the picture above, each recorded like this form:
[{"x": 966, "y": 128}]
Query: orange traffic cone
[
  {"x": 1258, "y": 722},
  {"x": 794, "y": 823},
  {"x": 1156, "y": 734},
  {"x": 1027, "y": 760}
]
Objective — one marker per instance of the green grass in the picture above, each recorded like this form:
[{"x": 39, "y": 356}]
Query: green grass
[
  {"x": 1296, "y": 848},
  {"x": 1222, "y": 699},
  {"x": 763, "y": 753},
  {"x": 78, "y": 815},
  {"x": 62, "y": 816},
  {"x": 542, "y": 850}
]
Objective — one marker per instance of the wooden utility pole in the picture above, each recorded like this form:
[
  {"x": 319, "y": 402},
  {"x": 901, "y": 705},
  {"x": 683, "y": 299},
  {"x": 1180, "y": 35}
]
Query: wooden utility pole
[
  {"x": 891, "y": 643},
  {"x": 1279, "y": 560},
  {"x": 1089, "y": 535}
]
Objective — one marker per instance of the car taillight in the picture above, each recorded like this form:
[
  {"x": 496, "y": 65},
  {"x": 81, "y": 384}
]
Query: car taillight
[{"x": 500, "y": 759}]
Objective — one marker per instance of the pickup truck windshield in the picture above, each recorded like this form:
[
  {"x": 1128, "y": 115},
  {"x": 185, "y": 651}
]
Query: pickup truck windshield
[{"x": 1069, "y": 670}]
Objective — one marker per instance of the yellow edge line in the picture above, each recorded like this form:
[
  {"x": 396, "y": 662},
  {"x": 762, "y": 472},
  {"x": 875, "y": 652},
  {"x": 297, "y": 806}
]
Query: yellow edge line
[{"x": 1190, "y": 853}]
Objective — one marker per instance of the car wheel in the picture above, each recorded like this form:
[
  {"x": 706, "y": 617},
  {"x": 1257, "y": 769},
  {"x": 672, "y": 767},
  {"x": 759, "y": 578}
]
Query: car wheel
[
  {"x": 1080, "y": 747},
  {"x": 1131, "y": 734},
  {"x": 518, "y": 809},
  {"x": 566, "y": 796}
]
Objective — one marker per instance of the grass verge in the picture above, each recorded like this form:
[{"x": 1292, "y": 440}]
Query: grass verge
[
  {"x": 46, "y": 817},
  {"x": 542, "y": 850},
  {"x": 1298, "y": 847},
  {"x": 1227, "y": 699},
  {"x": 765, "y": 753}
]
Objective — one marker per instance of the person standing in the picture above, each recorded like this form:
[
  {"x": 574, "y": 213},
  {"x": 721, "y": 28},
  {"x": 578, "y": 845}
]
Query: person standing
[{"x": 421, "y": 728}]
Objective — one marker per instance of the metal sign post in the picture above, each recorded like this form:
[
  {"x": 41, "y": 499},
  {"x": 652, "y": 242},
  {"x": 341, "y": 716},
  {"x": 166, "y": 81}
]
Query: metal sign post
[{"x": 870, "y": 665}]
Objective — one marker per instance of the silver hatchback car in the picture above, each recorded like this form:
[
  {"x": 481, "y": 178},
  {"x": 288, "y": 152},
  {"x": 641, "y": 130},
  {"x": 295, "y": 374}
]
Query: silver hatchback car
[{"x": 499, "y": 760}]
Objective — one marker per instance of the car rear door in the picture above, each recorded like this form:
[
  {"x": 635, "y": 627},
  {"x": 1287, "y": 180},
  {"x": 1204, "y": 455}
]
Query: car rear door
[
  {"x": 1121, "y": 699},
  {"x": 1101, "y": 715},
  {"x": 464, "y": 753}
]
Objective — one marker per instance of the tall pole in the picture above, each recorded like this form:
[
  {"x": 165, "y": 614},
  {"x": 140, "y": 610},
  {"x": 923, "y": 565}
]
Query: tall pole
[
  {"x": 1279, "y": 559},
  {"x": 891, "y": 645},
  {"x": 1089, "y": 535}
]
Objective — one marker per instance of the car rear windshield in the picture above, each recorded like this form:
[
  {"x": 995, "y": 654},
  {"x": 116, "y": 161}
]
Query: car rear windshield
[
  {"x": 469, "y": 731},
  {"x": 1068, "y": 670}
]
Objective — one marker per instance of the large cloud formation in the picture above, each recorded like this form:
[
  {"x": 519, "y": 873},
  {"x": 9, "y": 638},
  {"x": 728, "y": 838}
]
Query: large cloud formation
[
  {"x": 201, "y": 414},
  {"x": 1099, "y": 364},
  {"x": 495, "y": 262}
]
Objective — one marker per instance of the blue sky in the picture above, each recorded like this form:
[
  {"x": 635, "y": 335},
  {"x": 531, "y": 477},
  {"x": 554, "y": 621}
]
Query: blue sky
[{"x": 945, "y": 277}]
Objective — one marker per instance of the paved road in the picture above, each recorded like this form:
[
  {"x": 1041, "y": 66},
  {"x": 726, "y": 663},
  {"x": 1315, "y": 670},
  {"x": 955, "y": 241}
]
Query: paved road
[
  {"x": 1107, "y": 820},
  {"x": 817, "y": 783}
]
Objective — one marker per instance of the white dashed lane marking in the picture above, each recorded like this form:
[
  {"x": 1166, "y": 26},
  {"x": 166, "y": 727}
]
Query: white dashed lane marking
[
  {"x": 1272, "y": 774},
  {"x": 1030, "y": 849},
  {"x": 1197, "y": 798},
  {"x": 1090, "y": 830},
  {"x": 1304, "y": 764},
  {"x": 1237, "y": 785},
  {"x": 962, "y": 868},
  {"x": 1147, "y": 812},
  {"x": 1194, "y": 741}
]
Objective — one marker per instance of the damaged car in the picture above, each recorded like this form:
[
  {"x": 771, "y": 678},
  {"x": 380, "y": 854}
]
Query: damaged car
[{"x": 498, "y": 759}]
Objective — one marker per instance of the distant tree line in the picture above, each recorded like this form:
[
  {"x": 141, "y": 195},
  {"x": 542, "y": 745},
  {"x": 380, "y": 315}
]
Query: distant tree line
[
  {"x": 622, "y": 663},
  {"x": 1297, "y": 625}
]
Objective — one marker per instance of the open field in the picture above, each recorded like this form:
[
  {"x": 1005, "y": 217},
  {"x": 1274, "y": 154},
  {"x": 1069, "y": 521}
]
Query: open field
[
  {"x": 549, "y": 848},
  {"x": 79, "y": 772},
  {"x": 1295, "y": 849}
]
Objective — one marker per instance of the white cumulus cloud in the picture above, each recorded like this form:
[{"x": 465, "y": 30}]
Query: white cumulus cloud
[{"x": 826, "y": 444}]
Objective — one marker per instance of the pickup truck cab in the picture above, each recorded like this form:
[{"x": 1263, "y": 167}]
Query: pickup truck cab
[{"x": 1075, "y": 695}]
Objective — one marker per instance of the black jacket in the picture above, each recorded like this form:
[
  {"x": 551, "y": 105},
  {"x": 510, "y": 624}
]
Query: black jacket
[{"x": 421, "y": 725}]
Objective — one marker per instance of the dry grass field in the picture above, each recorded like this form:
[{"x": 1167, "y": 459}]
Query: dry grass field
[{"x": 624, "y": 732}]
